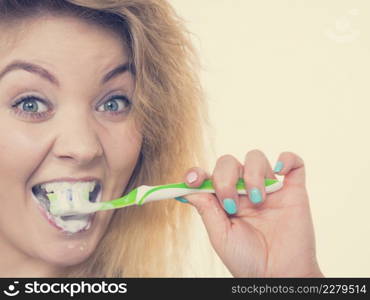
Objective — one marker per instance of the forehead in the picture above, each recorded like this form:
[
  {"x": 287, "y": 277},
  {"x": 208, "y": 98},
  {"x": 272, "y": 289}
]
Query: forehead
[{"x": 59, "y": 36}]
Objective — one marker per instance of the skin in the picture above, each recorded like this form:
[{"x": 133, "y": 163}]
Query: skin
[
  {"x": 76, "y": 137},
  {"x": 273, "y": 238}
]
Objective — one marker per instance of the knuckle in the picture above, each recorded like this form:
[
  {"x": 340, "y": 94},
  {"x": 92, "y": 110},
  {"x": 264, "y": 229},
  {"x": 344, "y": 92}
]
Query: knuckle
[
  {"x": 300, "y": 159},
  {"x": 292, "y": 155},
  {"x": 288, "y": 154},
  {"x": 256, "y": 151},
  {"x": 226, "y": 157}
]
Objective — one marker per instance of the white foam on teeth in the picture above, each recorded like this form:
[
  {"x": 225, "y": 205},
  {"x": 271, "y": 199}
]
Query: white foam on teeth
[
  {"x": 63, "y": 202},
  {"x": 57, "y": 186},
  {"x": 73, "y": 225},
  {"x": 80, "y": 198},
  {"x": 70, "y": 226}
]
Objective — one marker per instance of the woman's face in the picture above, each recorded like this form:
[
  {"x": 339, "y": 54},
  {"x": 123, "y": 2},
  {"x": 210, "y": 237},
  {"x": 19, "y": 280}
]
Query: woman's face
[{"x": 63, "y": 119}]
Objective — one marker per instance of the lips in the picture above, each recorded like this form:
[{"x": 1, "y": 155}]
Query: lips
[{"x": 70, "y": 224}]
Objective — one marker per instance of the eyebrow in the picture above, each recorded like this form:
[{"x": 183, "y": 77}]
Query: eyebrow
[
  {"x": 38, "y": 70},
  {"x": 115, "y": 72}
]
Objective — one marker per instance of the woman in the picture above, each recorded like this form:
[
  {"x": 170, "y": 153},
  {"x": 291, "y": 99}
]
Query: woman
[{"x": 105, "y": 93}]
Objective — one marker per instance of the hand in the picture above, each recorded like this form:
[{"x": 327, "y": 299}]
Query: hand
[{"x": 271, "y": 238}]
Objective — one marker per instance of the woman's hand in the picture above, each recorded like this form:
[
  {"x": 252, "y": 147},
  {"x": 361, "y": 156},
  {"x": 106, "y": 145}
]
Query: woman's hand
[{"x": 267, "y": 236}]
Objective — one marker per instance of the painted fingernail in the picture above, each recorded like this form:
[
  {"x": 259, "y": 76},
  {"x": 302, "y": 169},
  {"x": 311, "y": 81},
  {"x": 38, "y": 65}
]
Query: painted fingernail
[
  {"x": 230, "y": 206},
  {"x": 191, "y": 177},
  {"x": 181, "y": 199},
  {"x": 255, "y": 195},
  {"x": 279, "y": 166}
]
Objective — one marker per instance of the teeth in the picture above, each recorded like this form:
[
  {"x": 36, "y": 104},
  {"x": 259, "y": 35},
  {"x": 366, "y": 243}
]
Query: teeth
[{"x": 60, "y": 186}]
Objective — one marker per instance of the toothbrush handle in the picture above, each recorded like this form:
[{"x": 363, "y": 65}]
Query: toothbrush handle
[{"x": 181, "y": 189}]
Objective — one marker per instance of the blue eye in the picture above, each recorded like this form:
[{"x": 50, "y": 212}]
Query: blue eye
[
  {"x": 29, "y": 106},
  {"x": 114, "y": 106}
]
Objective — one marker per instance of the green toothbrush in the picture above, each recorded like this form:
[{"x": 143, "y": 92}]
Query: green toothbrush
[{"x": 143, "y": 194}]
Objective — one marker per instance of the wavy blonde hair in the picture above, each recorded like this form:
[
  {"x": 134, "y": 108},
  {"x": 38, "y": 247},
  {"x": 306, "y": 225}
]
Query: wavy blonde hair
[{"x": 153, "y": 240}]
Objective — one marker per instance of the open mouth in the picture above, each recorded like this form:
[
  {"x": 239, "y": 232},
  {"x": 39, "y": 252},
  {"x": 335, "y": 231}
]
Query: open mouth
[{"x": 72, "y": 223}]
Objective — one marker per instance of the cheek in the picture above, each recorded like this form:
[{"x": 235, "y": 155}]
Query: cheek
[
  {"x": 123, "y": 150},
  {"x": 19, "y": 157},
  {"x": 20, "y": 153}
]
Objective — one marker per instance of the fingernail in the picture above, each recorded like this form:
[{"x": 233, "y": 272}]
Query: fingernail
[
  {"x": 279, "y": 166},
  {"x": 181, "y": 199},
  {"x": 191, "y": 177},
  {"x": 230, "y": 206},
  {"x": 255, "y": 195}
]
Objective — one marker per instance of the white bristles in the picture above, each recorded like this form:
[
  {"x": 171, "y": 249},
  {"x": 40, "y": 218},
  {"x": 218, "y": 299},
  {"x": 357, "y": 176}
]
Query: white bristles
[{"x": 70, "y": 196}]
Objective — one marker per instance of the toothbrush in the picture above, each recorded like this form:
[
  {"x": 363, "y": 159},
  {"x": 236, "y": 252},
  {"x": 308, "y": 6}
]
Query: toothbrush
[{"x": 144, "y": 194}]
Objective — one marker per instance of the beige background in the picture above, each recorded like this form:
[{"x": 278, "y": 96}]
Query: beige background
[{"x": 293, "y": 75}]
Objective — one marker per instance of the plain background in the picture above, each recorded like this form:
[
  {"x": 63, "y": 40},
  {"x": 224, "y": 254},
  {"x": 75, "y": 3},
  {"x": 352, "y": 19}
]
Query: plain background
[{"x": 293, "y": 75}]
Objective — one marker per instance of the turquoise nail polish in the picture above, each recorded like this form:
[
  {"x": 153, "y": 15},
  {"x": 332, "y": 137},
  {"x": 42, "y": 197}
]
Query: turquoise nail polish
[
  {"x": 255, "y": 195},
  {"x": 181, "y": 199},
  {"x": 230, "y": 206},
  {"x": 279, "y": 166}
]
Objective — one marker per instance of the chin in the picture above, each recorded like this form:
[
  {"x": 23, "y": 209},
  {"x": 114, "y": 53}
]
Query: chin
[{"x": 70, "y": 254}]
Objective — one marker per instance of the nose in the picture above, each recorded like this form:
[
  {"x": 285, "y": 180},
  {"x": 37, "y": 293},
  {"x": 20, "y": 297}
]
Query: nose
[{"x": 77, "y": 140}]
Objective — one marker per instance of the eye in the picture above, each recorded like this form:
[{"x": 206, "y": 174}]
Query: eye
[
  {"x": 31, "y": 106},
  {"x": 116, "y": 104}
]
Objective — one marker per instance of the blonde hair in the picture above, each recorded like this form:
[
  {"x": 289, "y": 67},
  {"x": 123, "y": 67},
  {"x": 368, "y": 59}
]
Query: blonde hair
[{"x": 152, "y": 240}]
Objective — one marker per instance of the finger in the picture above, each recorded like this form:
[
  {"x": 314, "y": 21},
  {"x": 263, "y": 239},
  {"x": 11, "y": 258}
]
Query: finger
[
  {"x": 292, "y": 166},
  {"x": 225, "y": 177},
  {"x": 215, "y": 219},
  {"x": 195, "y": 176},
  {"x": 256, "y": 169},
  {"x": 207, "y": 205}
]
